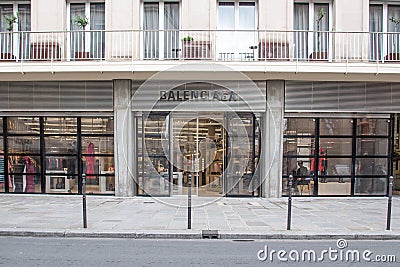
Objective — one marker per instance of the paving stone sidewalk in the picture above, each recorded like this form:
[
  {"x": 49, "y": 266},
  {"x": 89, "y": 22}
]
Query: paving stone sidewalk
[{"x": 245, "y": 216}]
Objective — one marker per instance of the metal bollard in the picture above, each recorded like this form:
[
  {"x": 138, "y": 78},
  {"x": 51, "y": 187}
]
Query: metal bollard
[
  {"x": 190, "y": 201},
  {"x": 389, "y": 209},
  {"x": 84, "y": 200},
  {"x": 289, "y": 216}
]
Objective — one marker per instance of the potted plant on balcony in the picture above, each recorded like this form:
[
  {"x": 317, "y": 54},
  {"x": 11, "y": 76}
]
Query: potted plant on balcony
[
  {"x": 188, "y": 39},
  {"x": 318, "y": 54},
  {"x": 81, "y": 22},
  {"x": 10, "y": 21},
  {"x": 394, "y": 54},
  {"x": 187, "y": 47}
]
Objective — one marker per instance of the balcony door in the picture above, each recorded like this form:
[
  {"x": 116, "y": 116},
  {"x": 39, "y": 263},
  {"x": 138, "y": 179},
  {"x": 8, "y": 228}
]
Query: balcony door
[
  {"x": 384, "y": 30},
  {"x": 14, "y": 38},
  {"x": 311, "y": 25},
  {"x": 237, "y": 37},
  {"x": 161, "y": 30},
  {"x": 87, "y": 41}
]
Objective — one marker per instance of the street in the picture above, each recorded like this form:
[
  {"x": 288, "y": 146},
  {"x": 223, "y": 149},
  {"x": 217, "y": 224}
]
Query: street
[{"x": 30, "y": 251}]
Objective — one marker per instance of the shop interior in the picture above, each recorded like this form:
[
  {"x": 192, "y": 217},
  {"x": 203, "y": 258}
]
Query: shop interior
[{"x": 198, "y": 148}]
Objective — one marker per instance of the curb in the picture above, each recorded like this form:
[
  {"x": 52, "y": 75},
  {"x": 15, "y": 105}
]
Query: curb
[{"x": 194, "y": 235}]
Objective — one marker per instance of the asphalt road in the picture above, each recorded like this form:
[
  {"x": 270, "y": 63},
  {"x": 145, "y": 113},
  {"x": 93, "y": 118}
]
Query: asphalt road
[{"x": 29, "y": 251}]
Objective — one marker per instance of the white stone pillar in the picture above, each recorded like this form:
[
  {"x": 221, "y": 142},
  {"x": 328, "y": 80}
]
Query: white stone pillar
[
  {"x": 123, "y": 139},
  {"x": 272, "y": 139}
]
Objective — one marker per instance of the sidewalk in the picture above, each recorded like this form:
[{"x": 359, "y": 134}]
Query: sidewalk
[{"x": 234, "y": 218}]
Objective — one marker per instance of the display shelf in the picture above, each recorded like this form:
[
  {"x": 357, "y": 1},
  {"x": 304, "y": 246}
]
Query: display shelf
[
  {"x": 57, "y": 181},
  {"x": 104, "y": 186}
]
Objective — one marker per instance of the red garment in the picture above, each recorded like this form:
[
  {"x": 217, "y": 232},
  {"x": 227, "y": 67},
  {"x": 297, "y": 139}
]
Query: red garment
[
  {"x": 30, "y": 169},
  {"x": 321, "y": 162},
  {"x": 90, "y": 161}
]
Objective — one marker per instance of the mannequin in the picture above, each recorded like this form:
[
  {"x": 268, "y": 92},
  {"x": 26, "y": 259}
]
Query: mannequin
[
  {"x": 29, "y": 169},
  {"x": 90, "y": 161}
]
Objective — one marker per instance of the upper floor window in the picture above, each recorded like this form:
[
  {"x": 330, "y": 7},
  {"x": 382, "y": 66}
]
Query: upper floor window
[
  {"x": 161, "y": 29},
  {"x": 312, "y": 23},
  {"x": 15, "y": 16},
  {"x": 237, "y": 15},
  {"x": 87, "y": 21},
  {"x": 384, "y": 25}
]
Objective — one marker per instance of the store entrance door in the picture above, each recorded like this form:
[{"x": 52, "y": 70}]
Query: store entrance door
[{"x": 198, "y": 149}]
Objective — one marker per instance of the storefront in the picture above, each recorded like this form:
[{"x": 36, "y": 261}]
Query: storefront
[
  {"x": 232, "y": 138},
  {"x": 205, "y": 130},
  {"x": 342, "y": 133},
  {"x": 45, "y": 149}
]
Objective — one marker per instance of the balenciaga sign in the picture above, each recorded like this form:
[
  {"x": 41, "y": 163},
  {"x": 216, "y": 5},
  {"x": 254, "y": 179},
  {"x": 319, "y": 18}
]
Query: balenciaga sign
[{"x": 198, "y": 95}]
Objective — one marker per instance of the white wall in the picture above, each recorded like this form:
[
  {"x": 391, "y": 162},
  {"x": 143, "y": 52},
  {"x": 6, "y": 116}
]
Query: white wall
[
  {"x": 48, "y": 15},
  {"x": 272, "y": 14},
  {"x": 349, "y": 15},
  {"x": 123, "y": 14},
  {"x": 196, "y": 14}
]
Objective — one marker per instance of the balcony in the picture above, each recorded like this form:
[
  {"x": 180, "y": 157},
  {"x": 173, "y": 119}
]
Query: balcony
[{"x": 291, "y": 49}]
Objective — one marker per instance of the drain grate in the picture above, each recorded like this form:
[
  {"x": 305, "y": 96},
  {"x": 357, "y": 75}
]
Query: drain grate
[{"x": 209, "y": 234}]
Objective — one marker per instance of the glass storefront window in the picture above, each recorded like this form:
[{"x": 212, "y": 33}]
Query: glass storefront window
[
  {"x": 23, "y": 125},
  {"x": 339, "y": 141},
  {"x": 60, "y": 125},
  {"x": 368, "y": 126},
  {"x": 97, "y": 125},
  {"x": 329, "y": 126},
  {"x": 370, "y": 186},
  {"x": 152, "y": 164},
  {"x": 290, "y": 165},
  {"x": 60, "y": 145},
  {"x": 99, "y": 173},
  {"x": 67, "y": 164},
  {"x": 336, "y": 146},
  {"x": 298, "y": 146},
  {"x": 25, "y": 174},
  {"x": 24, "y": 144},
  {"x": 97, "y": 145},
  {"x": 370, "y": 146},
  {"x": 61, "y": 138},
  {"x": 299, "y": 126},
  {"x": 335, "y": 186},
  {"x": 371, "y": 166},
  {"x": 336, "y": 167}
]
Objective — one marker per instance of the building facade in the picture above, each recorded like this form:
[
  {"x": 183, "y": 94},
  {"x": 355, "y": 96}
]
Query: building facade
[{"x": 229, "y": 97}]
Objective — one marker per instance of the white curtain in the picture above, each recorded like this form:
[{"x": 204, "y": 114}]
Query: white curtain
[
  {"x": 226, "y": 39},
  {"x": 393, "y": 36},
  {"x": 245, "y": 40},
  {"x": 301, "y": 26},
  {"x": 151, "y": 27},
  {"x": 97, "y": 26},
  {"x": 24, "y": 25},
  {"x": 375, "y": 28},
  {"x": 171, "y": 27},
  {"x": 77, "y": 37},
  {"x": 6, "y": 46},
  {"x": 321, "y": 27}
]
